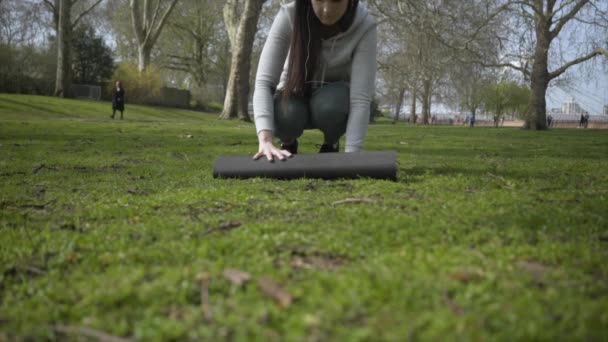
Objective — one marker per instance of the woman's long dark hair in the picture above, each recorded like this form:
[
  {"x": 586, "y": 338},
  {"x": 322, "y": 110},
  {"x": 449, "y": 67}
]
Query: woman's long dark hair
[{"x": 307, "y": 26}]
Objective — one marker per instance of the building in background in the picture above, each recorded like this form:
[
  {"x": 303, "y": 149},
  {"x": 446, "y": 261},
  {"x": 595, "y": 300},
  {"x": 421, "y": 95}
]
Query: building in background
[{"x": 571, "y": 107}]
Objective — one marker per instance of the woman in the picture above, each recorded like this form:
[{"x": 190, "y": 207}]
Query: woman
[
  {"x": 320, "y": 57},
  {"x": 118, "y": 100}
]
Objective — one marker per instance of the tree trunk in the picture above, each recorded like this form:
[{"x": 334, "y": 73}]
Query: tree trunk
[
  {"x": 237, "y": 96},
  {"x": 413, "y": 106},
  {"x": 426, "y": 101},
  {"x": 147, "y": 26},
  {"x": 250, "y": 28},
  {"x": 226, "y": 69},
  {"x": 143, "y": 57},
  {"x": 399, "y": 104},
  {"x": 62, "y": 79},
  {"x": 231, "y": 20},
  {"x": 537, "y": 106},
  {"x": 231, "y": 98}
]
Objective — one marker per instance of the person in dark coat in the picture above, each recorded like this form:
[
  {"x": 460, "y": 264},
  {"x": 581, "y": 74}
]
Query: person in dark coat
[{"x": 118, "y": 100}]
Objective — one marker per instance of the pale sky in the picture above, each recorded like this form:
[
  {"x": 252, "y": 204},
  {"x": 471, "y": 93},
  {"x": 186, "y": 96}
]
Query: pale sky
[{"x": 591, "y": 95}]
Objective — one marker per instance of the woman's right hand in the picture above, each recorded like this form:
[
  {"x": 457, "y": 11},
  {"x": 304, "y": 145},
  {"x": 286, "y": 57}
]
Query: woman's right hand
[{"x": 267, "y": 148}]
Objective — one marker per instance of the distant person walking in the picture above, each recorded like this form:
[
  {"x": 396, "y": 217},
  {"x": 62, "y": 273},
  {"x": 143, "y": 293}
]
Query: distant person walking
[
  {"x": 472, "y": 121},
  {"x": 549, "y": 120},
  {"x": 584, "y": 122},
  {"x": 118, "y": 100}
]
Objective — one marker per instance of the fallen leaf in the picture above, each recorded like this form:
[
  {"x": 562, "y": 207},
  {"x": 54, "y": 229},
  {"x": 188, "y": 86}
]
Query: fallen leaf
[
  {"x": 354, "y": 200},
  {"x": 272, "y": 289},
  {"x": 535, "y": 269},
  {"x": 175, "y": 313},
  {"x": 236, "y": 277},
  {"x": 466, "y": 276}
]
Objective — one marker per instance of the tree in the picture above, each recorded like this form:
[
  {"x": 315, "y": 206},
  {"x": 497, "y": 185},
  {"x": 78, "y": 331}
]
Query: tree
[
  {"x": 397, "y": 69},
  {"x": 187, "y": 44},
  {"x": 92, "y": 62},
  {"x": 421, "y": 56},
  {"x": 532, "y": 26},
  {"x": 505, "y": 97},
  {"x": 241, "y": 33},
  {"x": 467, "y": 83},
  {"x": 148, "y": 21},
  {"x": 64, "y": 26},
  {"x": 549, "y": 20},
  {"x": 25, "y": 66}
]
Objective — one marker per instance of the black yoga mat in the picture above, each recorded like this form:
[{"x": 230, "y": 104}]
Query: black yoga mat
[{"x": 380, "y": 165}]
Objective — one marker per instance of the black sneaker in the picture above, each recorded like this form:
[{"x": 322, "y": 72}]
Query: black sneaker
[
  {"x": 291, "y": 148},
  {"x": 329, "y": 148}
]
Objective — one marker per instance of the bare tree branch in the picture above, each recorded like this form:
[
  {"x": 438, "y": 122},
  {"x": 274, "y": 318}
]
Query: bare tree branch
[
  {"x": 85, "y": 12},
  {"x": 530, "y": 4},
  {"x": 563, "y": 20},
  {"x": 151, "y": 22},
  {"x": 162, "y": 21},
  {"x": 136, "y": 20},
  {"x": 560, "y": 8},
  {"x": 593, "y": 23},
  {"x": 50, "y": 5},
  {"x": 598, "y": 51}
]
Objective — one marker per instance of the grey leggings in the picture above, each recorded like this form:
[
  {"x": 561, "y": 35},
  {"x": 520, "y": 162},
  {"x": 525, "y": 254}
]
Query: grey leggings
[{"x": 326, "y": 108}]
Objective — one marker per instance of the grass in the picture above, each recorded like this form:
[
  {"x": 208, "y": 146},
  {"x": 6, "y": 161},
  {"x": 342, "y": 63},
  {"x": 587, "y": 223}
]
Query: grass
[{"x": 118, "y": 227}]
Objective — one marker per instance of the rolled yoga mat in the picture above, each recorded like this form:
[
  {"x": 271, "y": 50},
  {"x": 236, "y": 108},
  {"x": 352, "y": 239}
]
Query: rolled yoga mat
[{"x": 379, "y": 165}]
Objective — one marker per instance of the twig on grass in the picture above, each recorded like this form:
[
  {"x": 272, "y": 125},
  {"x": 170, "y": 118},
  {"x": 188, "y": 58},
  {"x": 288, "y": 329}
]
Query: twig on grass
[
  {"x": 205, "y": 305},
  {"x": 228, "y": 226},
  {"x": 33, "y": 270},
  {"x": 354, "y": 200},
  {"x": 43, "y": 166},
  {"x": 449, "y": 301},
  {"x": 90, "y": 333},
  {"x": 236, "y": 277}
]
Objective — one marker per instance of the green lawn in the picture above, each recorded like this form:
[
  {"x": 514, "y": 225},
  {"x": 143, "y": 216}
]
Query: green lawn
[{"x": 118, "y": 228}]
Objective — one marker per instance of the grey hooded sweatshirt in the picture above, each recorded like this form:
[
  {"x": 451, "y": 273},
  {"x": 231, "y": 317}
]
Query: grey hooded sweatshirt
[{"x": 349, "y": 56}]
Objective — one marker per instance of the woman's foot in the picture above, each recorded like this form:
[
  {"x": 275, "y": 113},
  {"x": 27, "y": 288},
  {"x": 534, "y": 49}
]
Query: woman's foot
[
  {"x": 291, "y": 147},
  {"x": 330, "y": 148}
]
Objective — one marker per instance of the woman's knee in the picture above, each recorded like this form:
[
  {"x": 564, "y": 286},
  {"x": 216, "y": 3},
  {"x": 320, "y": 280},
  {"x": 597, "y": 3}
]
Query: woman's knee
[
  {"x": 290, "y": 117},
  {"x": 330, "y": 106}
]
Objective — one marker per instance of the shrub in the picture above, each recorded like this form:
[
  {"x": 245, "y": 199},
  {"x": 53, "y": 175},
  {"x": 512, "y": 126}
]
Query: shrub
[
  {"x": 214, "y": 106},
  {"x": 139, "y": 88}
]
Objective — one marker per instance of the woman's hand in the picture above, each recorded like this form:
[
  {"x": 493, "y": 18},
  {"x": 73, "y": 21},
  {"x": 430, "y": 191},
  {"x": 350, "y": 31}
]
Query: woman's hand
[{"x": 268, "y": 149}]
